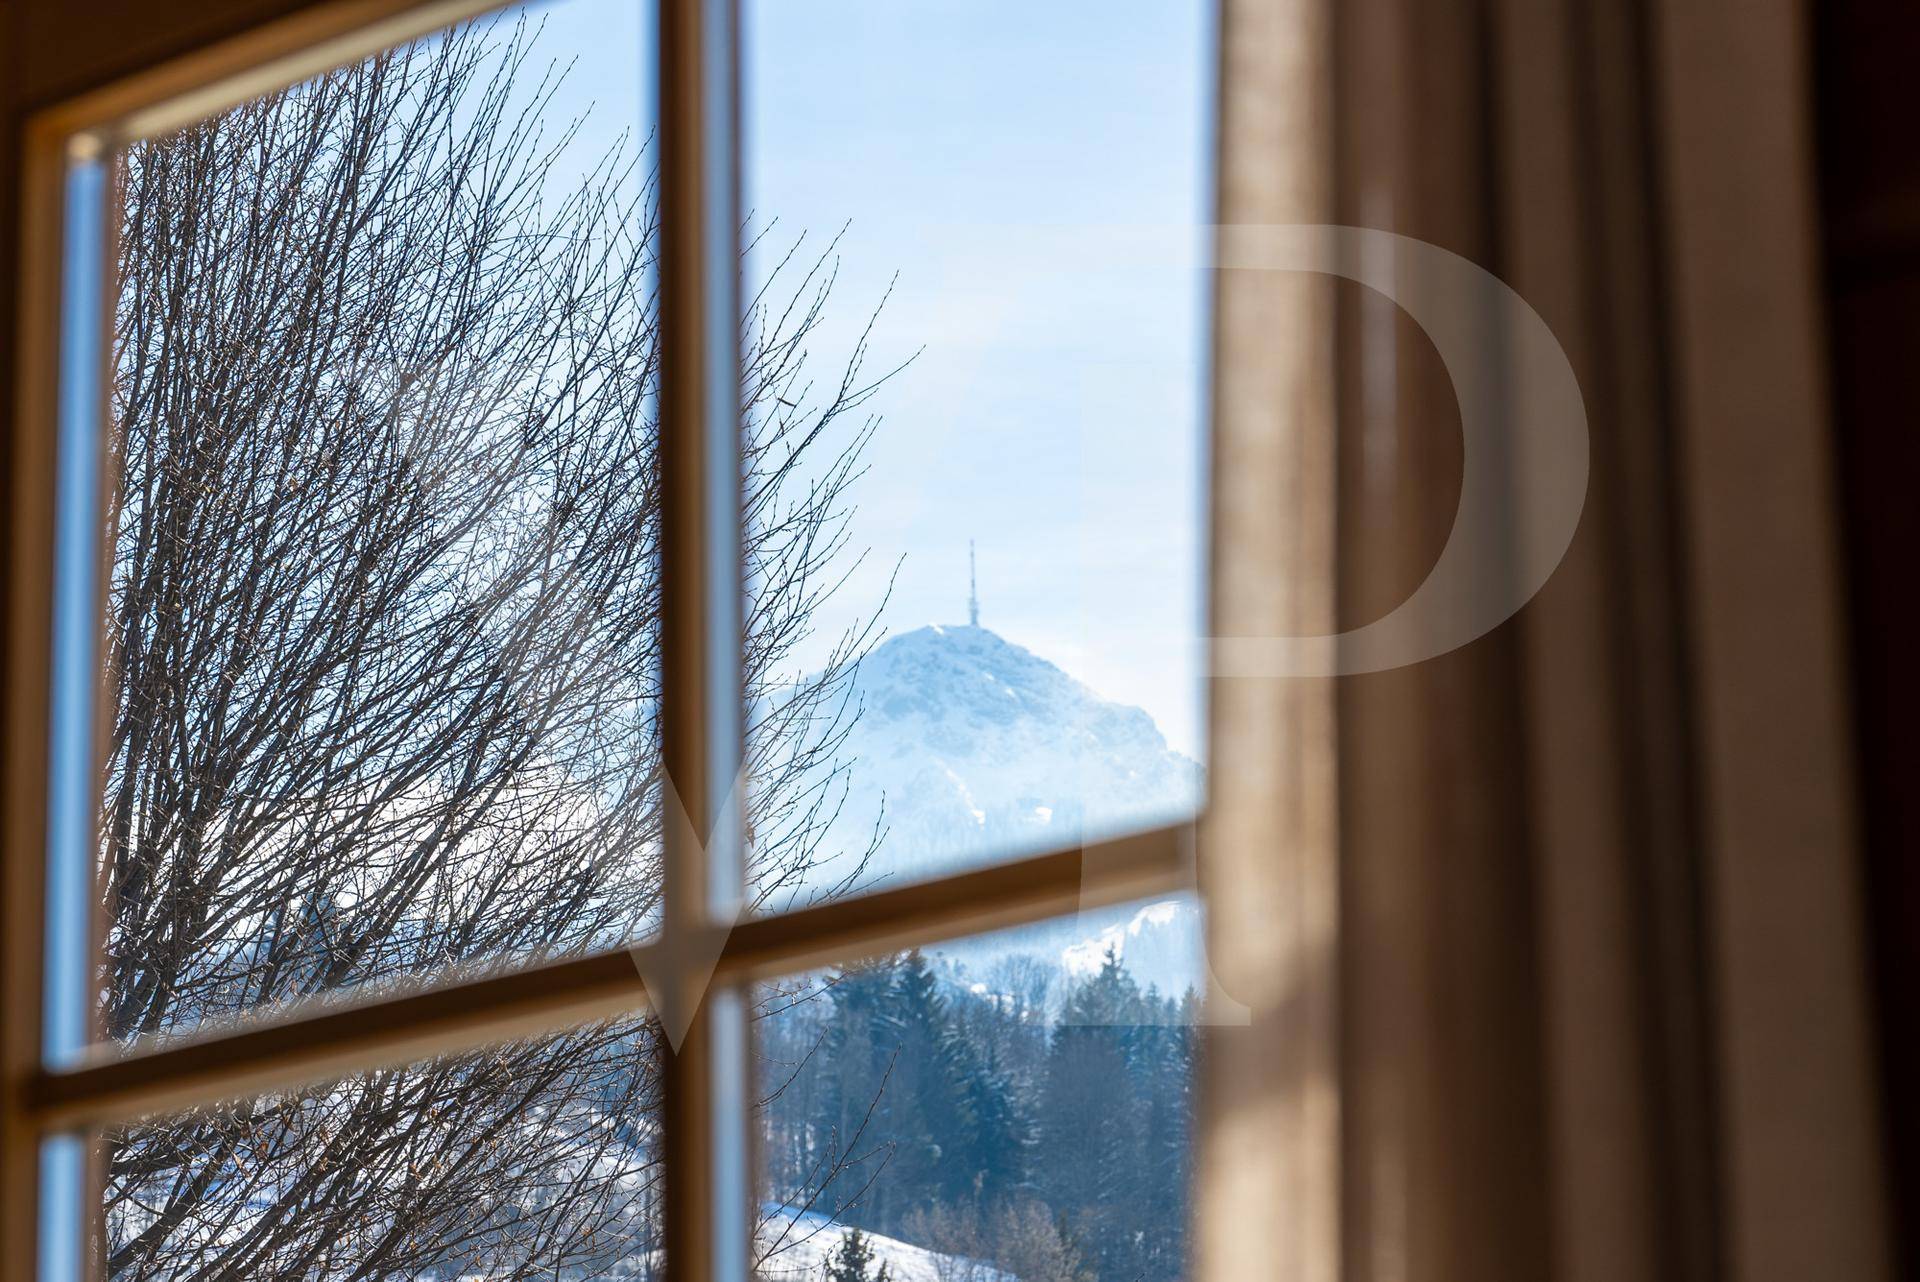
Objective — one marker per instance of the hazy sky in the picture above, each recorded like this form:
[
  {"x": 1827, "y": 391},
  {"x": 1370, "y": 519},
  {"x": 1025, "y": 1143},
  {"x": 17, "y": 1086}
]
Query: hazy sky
[{"x": 1053, "y": 414}]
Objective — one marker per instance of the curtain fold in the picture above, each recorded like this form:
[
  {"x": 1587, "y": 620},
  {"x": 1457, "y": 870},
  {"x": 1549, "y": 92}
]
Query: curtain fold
[{"x": 1518, "y": 891}]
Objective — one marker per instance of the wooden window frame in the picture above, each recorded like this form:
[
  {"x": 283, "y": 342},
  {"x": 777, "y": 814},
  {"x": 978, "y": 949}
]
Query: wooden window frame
[
  {"x": 707, "y": 1193},
  {"x": 1690, "y": 1127}
]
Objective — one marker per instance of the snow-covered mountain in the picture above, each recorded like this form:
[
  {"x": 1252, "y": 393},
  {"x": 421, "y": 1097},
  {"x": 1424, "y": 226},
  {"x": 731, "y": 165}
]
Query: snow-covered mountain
[{"x": 970, "y": 749}]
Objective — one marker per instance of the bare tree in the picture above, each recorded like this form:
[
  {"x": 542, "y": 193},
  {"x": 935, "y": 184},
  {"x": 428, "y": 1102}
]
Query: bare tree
[
  {"x": 384, "y": 650},
  {"x": 1019, "y": 1241},
  {"x": 1029, "y": 1244},
  {"x": 959, "y": 1240}
]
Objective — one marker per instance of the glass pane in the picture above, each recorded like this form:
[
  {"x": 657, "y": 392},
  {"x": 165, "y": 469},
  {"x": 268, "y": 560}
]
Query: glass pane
[
  {"x": 381, "y": 645},
  {"x": 990, "y": 217},
  {"x": 981, "y": 1111},
  {"x": 538, "y": 1159}
]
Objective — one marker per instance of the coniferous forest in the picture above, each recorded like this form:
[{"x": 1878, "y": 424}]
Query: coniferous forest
[{"x": 1028, "y": 1124}]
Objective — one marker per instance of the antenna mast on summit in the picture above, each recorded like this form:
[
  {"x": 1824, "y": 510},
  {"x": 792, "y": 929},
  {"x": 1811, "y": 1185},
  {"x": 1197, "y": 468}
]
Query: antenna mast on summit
[{"x": 973, "y": 590}]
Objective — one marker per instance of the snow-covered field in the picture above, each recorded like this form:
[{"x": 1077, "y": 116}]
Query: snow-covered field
[{"x": 805, "y": 1241}]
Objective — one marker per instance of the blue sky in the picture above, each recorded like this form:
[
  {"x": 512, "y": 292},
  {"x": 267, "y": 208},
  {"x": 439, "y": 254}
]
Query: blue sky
[{"x": 1054, "y": 412}]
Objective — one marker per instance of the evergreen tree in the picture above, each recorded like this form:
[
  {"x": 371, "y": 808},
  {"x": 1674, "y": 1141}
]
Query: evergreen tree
[
  {"x": 1073, "y": 1164},
  {"x": 853, "y": 1262},
  {"x": 928, "y": 1116},
  {"x": 1002, "y": 1135},
  {"x": 1164, "y": 1065},
  {"x": 858, "y": 1056},
  {"x": 1093, "y": 1121}
]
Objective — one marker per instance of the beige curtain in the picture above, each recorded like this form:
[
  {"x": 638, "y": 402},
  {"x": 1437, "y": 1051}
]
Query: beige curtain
[{"x": 1551, "y": 942}]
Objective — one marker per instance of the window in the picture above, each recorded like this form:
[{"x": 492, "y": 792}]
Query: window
[
  {"x": 1506, "y": 923},
  {"x": 382, "y": 638},
  {"x": 1020, "y": 307},
  {"x": 476, "y": 555}
]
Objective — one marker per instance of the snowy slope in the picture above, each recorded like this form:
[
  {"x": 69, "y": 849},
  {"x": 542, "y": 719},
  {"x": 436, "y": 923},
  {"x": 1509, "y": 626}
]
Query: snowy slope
[
  {"x": 970, "y": 749},
  {"x": 979, "y": 748},
  {"x": 803, "y": 1241}
]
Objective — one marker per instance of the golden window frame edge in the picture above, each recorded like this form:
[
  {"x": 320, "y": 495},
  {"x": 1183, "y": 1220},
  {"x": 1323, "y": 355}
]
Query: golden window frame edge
[
  {"x": 275, "y": 55},
  {"x": 24, "y": 754}
]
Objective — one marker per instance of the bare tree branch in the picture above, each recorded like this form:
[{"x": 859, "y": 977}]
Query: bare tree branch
[{"x": 384, "y": 649}]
